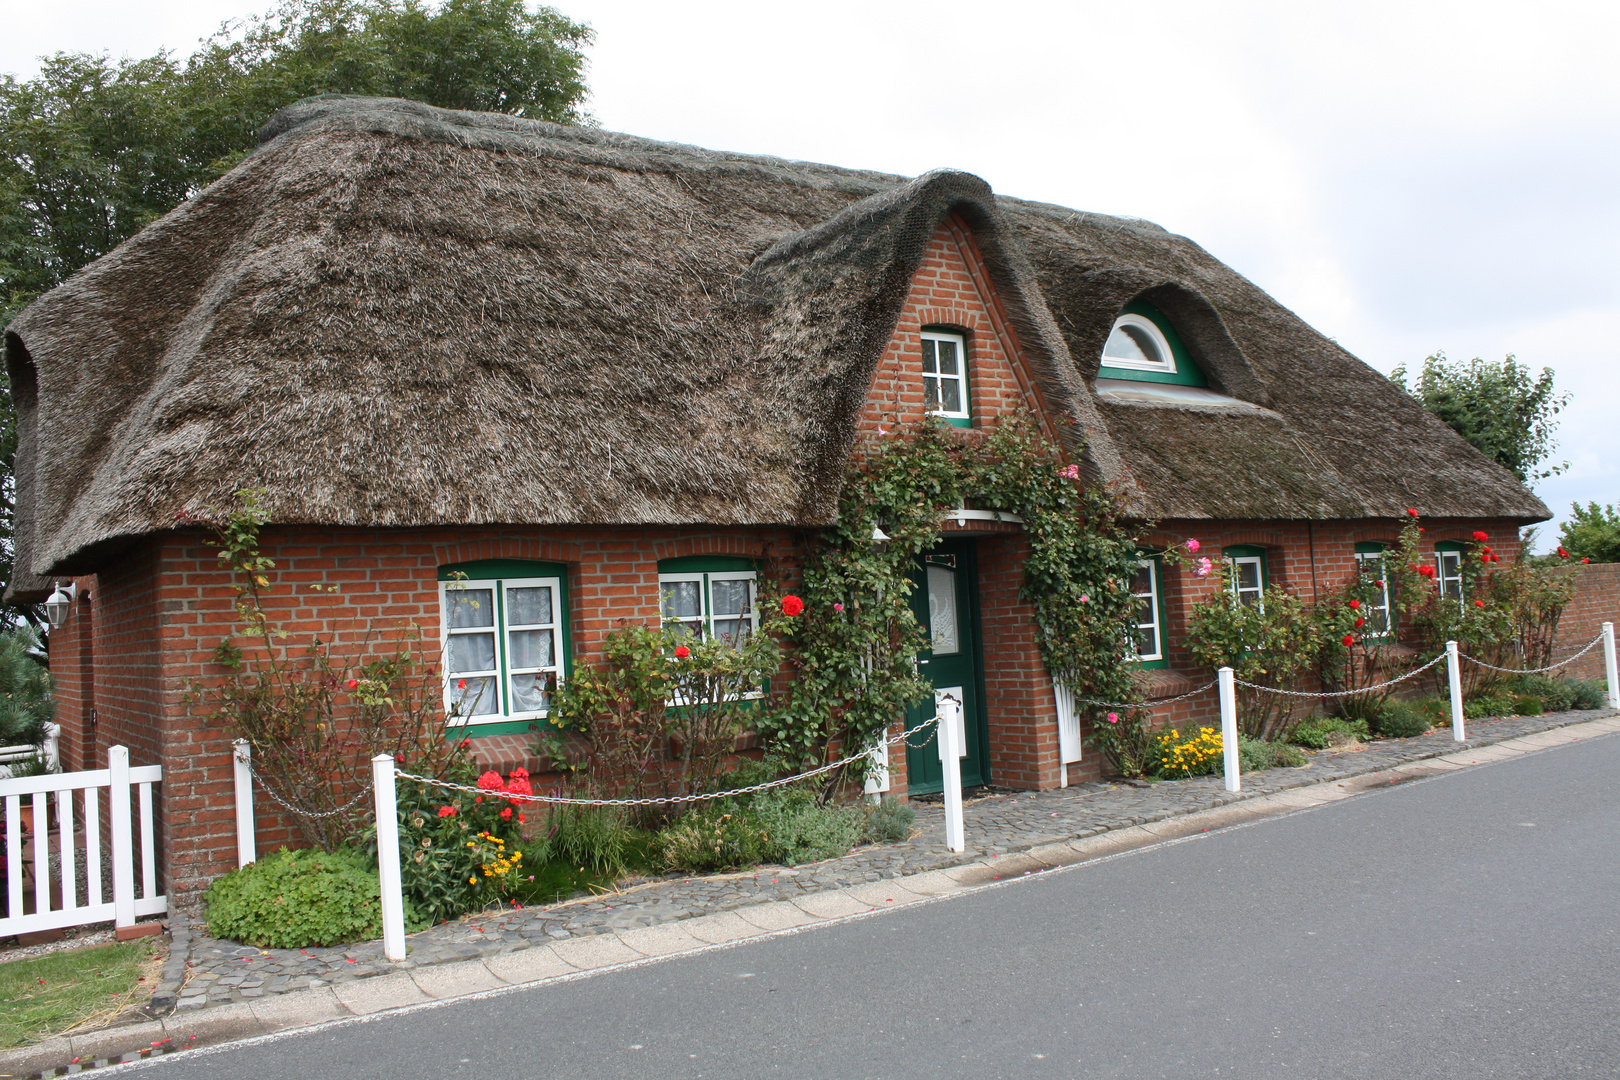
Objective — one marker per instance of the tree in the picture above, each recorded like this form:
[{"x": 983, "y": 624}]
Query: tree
[
  {"x": 92, "y": 150},
  {"x": 1497, "y": 407},
  {"x": 1592, "y": 533}
]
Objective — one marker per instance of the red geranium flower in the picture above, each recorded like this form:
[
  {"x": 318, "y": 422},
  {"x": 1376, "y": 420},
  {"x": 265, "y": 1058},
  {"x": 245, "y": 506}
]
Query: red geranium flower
[
  {"x": 791, "y": 605},
  {"x": 507, "y": 814},
  {"x": 491, "y": 781},
  {"x": 447, "y": 811},
  {"x": 682, "y": 652},
  {"x": 522, "y": 819},
  {"x": 1349, "y": 640},
  {"x": 1481, "y": 537}
]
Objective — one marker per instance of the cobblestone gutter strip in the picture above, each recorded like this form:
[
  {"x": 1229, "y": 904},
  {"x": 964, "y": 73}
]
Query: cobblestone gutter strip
[
  {"x": 495, "y": 962},
  {"x": 221, "y": 972}
]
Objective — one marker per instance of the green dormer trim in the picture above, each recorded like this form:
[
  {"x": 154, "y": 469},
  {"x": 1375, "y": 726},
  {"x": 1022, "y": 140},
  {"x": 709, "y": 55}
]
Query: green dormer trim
[{"x": 1187, "y": 372}]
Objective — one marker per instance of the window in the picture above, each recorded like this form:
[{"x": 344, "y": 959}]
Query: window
[
  {"x": 1149, "y": 643},
  {"x": 944, "y": 371},
  {"x": 708, "y": 596},
  {"x": 505, "y": 637},
  {"x": 1144, "y": 347},
  {"x": 1448, "y": 557},
  {"x": 1248, "y": 582},
  {"x": 1370, "y": 558}
]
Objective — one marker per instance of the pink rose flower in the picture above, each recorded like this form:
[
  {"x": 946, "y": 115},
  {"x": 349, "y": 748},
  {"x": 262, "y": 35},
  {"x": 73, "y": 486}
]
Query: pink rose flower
[
  {"x": 1193, "y": 546},
  {"x": 1113, "y": 718}
]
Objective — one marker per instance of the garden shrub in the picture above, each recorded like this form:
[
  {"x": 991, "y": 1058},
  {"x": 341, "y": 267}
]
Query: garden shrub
[
  {"x": 889, "y": 822},
  {"x": 1525, "y": 705},
  {"x": 1257, "y": 754},
  {"x": 1196, "y": 752},
  {"x": 295, "y": 899},
  {"x": 455, "y": 848},
  {"x": 1400, "y": 720},
  {"x": 25, "y": 691},
  {"x": 1556, "y": 695},
  {"x": 1480, "y": 706},
  {"x": 596, "y": 838},
  {"x": 712, "y": 838},
  {"x": 1314, "y": 733},
  {"x": 796, "y": 829},
  {"x": 1588, "y": 695}
]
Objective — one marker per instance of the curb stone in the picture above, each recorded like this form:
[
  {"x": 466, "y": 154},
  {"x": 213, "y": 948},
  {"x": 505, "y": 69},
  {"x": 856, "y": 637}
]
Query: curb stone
[{"x": 489, "y": 970}]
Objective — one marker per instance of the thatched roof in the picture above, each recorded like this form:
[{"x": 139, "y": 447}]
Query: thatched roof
[{"x": 396, "y": 315}]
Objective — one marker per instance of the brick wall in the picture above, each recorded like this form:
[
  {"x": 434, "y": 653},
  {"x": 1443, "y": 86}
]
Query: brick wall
[{"x": 1596, "y": 601}]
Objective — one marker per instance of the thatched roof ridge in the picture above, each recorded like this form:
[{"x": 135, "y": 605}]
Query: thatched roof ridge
[{"x": 397, "y": 315}]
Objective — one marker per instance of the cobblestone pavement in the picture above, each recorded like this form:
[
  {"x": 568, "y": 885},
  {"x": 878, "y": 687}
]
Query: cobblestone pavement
[{"x": 996, "y": 824}]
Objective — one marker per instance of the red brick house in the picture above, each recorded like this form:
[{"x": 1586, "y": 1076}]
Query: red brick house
[{"x": 601, "y": 376}]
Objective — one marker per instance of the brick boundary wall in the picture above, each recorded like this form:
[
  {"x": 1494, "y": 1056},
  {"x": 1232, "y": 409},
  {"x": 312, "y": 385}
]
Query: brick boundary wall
[{"x": 1596, "y": 601}]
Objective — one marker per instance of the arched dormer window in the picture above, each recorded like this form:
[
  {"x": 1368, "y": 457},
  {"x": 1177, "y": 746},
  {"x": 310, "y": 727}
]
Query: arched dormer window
[{"x": 1144, "y": 347}]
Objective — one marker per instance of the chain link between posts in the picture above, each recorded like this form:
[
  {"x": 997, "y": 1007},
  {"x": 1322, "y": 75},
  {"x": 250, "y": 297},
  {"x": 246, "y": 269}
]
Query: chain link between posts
[
  {"x": 1344, "y": 693},
  {"x": 870, "y": 752},
  {"x": 299, "y": 810},
  {"x": 1565, "y": 662},
  {"x": 1155, "y": 703}
]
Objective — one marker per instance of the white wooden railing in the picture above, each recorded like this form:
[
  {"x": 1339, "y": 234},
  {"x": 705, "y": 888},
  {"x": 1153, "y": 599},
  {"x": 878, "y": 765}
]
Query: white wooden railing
[{"x": 73, "y": 818}]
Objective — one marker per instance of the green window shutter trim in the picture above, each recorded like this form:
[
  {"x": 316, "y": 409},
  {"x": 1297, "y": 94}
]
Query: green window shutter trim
[
  {"x": 505, "y": 570},
  {"x": 487, "y": 569},
  {"x": 1188, "y": 373},
  {"x": 1158, "y": 598},
  {"x": 1450, "y": 545},
  {"x": 1371, "y": 547}
]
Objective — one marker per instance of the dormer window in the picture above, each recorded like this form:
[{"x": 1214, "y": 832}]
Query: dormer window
[
  {"x": 1136, "y": 344},
  {"x": 944, "y": 375}
]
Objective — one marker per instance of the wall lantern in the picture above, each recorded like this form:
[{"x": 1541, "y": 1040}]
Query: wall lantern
[{"x": 56, "y": 608}]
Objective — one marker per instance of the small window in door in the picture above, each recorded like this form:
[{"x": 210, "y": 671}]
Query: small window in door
[{"x": 943, "y": 632}]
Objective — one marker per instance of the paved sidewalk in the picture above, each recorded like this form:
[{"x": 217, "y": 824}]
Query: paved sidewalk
[{"x": 233, "y": 992}]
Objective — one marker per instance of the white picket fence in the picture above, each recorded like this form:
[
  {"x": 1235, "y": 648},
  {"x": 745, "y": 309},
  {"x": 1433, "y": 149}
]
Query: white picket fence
[{"x": 72, "y": 819}]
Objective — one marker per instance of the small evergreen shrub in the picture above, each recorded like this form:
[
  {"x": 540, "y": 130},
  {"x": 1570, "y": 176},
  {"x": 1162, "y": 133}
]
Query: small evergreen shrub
[
  {"x": 294, "y": 899},
  {"x": 1314, "y": 733},
  {"x": 1401, "y": 720},
  {"x": 889, "y": 822},
  {"x": 797, "y": 830},
  {"x": 1525, "y": 705},
  {"x": 1588, "y": 695},
  {"x": 1256, "y": 754},
  {"x": 1556, "y": 695},
  {"x": 1481, "y": 706},
  {"x": 713, "y": 838}
]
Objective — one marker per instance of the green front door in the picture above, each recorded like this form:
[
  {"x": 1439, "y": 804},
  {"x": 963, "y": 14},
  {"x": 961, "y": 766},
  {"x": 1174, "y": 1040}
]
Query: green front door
[{"x": 945, "y": 601}]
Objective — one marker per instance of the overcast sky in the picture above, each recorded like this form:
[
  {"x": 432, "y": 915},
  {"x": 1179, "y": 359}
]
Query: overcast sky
[{"x": 1409, "y": 177}]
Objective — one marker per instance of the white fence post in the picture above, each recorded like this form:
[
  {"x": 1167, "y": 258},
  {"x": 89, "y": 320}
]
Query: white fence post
[
  {"x": 123, "y": 847},
  {"x": 1229, "y": 728},
  {"x": 1609, "y": 666},
  {"x": 950, "y": 761},
  {"x": 1454, "y": 674},
  {"x": 247, "y": 846},
  {"x": 393, "y": 899}
]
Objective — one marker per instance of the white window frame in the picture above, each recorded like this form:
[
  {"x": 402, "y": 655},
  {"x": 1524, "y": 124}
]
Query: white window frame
[
  {"x": 705, "y": 619},
  {"x": 1259, "y": 593},
  {"x": 1151, "y": 328},
  {"x": 1382, "y": 609},
  {"x": 1455, "y": 558},
  {"x": 502, "y": 672},
  {"x": 1158, "y": 616},
  {"x": 960, "y": 340}
]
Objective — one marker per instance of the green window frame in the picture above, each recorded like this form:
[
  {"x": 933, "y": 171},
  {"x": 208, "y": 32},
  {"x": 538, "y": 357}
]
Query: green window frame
[
  {"x": 1448, "y": 568},
  {"x": 1248, "y": 578},
  {"x": 1147, "y": 646},
  {"x": 945, "y": 376},
  {"x": 505, "y": 640},
  {"x": 1147, "y": 325},
  {"x": 1372, "y": 563},
  {"x": 709, "y": 595}
]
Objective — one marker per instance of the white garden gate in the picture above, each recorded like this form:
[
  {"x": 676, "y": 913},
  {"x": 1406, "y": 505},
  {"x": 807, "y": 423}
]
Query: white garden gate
[{"x": 56, "y": 860}]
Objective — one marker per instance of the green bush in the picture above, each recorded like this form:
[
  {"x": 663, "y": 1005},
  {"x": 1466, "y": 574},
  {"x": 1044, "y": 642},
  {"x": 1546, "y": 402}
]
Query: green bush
[
  {"x": 797, "y": 830},
  {"x": 596, "y": 838},
  {"x": 1588, "y": 695},
  {"x": 1255, "y": 754},
  {"x": 1556, "y": 695},
  {"x": 1401, "y": 720},
  {"x": 25, "y": 691},
  {"x": 294, "y": 899},
  {"x": 1481, "y": 706},
  {"x": 1315, "y": 731},
  {"x": 712, "y": 838},
  {"x": 1525, "y": 705},
  {"x": 889, "y": 822},
  {"x": 783, "y": 825}
]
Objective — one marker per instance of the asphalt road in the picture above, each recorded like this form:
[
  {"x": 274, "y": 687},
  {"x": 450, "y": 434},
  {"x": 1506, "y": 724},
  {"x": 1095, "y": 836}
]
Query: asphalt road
[{"x": 1463, "y": 926}]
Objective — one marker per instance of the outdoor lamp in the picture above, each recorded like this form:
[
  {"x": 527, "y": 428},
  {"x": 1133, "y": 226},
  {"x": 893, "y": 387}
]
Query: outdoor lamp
[
  {"x": 56, "y": 608},
  {"x": 878, "y": 534}
]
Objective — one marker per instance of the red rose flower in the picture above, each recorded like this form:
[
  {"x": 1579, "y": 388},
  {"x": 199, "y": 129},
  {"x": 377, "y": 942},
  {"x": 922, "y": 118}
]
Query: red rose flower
[
  {"x": 1481, "y": 537},
  {"x": 465, "y": 743},
  {"x": 791, "y": 605},
  {"x": 1479, "y": 603},
  {"x": 682, "y": 652},
  {"x": 1586, "y": 560},
  {"x": 1411, "y": 512},
  {"x": 1355, "y": 605},
  {"x": 353, "y": 683},
  {"x": 1562, "y": 554},
  {"x": 479, "y": 799},
  {"x": 1359, "y": 622},
  {"x": 462, "y": 685},
  {"x": 1349, "y": 640}
]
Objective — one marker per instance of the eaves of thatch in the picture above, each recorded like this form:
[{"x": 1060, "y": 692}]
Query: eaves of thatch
[{"x": 395, "y": 315}]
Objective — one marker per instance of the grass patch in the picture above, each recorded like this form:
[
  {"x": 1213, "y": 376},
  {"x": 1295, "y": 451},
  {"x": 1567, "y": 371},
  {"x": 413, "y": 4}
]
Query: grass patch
[{"x": 46, "y": 995}]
